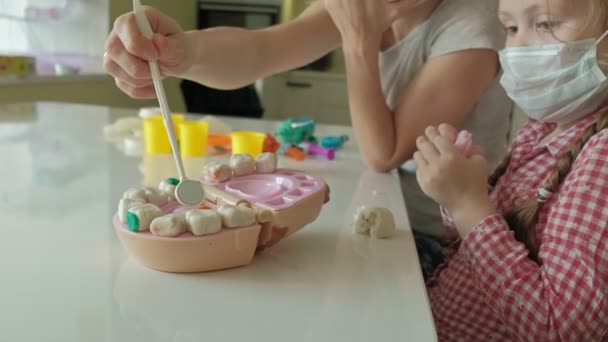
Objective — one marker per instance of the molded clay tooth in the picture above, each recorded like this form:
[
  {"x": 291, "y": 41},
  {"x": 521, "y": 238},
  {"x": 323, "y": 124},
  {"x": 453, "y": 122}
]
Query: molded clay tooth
[
  {"x": 217, "y": 173},
  {"x": 242, "y": 165},
  {"x": 141, "y": 216},
  {"x": 203, "y": 222},
  {"x": 266, "y": 163},
  {"x": 169, "y": 225},
  {"x": 155, "y": 196},
  {"x": 376, "y": 222},
  {"x": 136, "y": 194},
  {"x": 236, "y": 216},
  {"x": 123, "y": 207},
  {"x": 167, "y": 187}
]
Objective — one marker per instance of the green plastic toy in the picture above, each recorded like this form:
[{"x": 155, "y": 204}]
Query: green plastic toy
[{"x": 296, "y": 131}]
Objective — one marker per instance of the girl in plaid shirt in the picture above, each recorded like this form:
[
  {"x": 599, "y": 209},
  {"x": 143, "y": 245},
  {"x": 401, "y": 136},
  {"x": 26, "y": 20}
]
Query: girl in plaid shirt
[{"x": 531, "y": 260}]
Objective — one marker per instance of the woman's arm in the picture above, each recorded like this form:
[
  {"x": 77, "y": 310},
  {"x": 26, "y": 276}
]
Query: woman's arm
[
  {"x": 444, "y": 90},
  {"x": 223, "y": 57},
  {"x": 229, "y": 57}
]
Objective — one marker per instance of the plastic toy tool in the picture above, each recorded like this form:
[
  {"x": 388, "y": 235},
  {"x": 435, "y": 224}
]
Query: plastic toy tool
[
  {"x": 334, "y": 142},
  {"x": 315, "y": 149},
  {"x": 187, "y": 192},
  {"x": 296, "y": 131}
]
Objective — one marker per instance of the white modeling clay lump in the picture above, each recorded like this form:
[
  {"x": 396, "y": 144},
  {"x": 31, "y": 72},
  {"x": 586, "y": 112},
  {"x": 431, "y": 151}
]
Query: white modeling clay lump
[
  {"x": 376, "y": 222},
  {"x": 216, "y": 126},
  {"x": 170, "y": 225},
  {"x": 155, "y": 196},
  {"x": 217, "y": 173},
  {"x": 236, "y": 216},
  {"x": 136, "y": 195},
  {"x": 123, "y": 128},
  {"x": 139, "y": 217},
  {"x": 203, "y": 222},
  {"x": 167, "y": 187},
  {"x": 123, "y": 207},
  {"x": 242, "y": 165},
  {"x": 266, "y": 163}
]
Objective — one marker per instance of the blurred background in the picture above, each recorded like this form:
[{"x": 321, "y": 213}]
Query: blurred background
[{"x": 51, "y": 50}]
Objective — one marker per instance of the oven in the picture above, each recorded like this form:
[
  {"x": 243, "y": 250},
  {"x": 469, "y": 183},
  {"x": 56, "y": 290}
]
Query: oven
[{"x": 249, "y": 14}]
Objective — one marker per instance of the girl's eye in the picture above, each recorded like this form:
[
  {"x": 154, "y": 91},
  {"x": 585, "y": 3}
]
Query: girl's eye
[
  {"x": 545, "y": 26},
  {"x": 511, "y": 30}
]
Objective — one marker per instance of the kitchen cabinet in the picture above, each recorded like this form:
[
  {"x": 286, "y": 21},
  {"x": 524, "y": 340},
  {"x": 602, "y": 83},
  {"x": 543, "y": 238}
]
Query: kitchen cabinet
[{"x": 319, "y": 95}]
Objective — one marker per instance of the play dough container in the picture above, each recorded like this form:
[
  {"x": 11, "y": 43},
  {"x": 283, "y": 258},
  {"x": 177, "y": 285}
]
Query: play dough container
[
  {"x": 155, "y": 133},
  {"x": 193, "y": 138},
  {"x": 250, "y": 143},
  {"x": 284, "y": 202}
]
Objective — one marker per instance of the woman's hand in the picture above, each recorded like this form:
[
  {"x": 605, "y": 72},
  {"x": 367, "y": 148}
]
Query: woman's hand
[
  {"x": 128, "y": 52},
  {"x": 363, "y": 22},
  {"x": 452, "y": 180}
]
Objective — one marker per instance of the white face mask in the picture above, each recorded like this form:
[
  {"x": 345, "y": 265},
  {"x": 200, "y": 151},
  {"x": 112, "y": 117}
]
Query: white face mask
[{"x": 558, "y": 83}]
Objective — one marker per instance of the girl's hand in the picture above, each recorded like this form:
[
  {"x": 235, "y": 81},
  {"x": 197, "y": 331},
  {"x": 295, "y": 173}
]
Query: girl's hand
[
  {"x": 364, "y": 21},
  {"x": 457, "y": 183}
]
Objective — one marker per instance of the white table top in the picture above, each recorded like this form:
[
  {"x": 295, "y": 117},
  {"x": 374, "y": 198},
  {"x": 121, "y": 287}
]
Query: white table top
[{"x": 67, "y": 278}]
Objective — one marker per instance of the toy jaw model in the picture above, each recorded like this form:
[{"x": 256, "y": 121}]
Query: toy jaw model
[{"x": 251, "y": 211}]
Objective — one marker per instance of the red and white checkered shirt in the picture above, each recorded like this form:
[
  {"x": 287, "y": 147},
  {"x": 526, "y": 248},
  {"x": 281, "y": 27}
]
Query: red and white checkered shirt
[{"x": 489, "y": 290}]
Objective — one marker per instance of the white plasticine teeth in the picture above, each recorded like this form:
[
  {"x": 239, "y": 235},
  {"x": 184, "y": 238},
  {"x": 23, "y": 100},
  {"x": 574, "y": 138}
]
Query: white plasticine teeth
[
  {"x": 147, "y": 195},
  {"x": 136, "y": 194},
  {"x": 141, "y": 216},
  {"x": 379, "y": 223},
  {"x": 148, "y": 112},
  {"x": 266, "y": 163},
  {"x": 216, "y": 126},
  {"x": 156, "y": 196},
  {"x": 203, "y": 222},
  {"x": 167, "y": 186},
  {"x": 217, "y": 173},
  {"x": 121, "y": 129},
  {"x": 360, "y": 224},
  {"x": 123, "y": 207},
  {"x": 242, "y": 165},
  {"x": 236, "y": 216},
  {"x": 169, "y": 225}
]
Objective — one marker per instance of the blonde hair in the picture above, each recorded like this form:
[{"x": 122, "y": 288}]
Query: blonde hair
[
  {"x": 523, "y": 217},
  {"x": 597, "y": 16}
]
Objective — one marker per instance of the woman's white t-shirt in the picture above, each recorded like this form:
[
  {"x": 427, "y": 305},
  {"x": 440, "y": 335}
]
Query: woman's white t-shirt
[{"x": 455, "y": 25}]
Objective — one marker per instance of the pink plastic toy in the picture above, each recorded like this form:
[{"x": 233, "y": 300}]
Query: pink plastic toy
[
  {"x": 284, "y": 202},
  {"x": 464, "y": 143},
  {"x": 276, "y": 191},
  {"x": 314, "y": 149}
]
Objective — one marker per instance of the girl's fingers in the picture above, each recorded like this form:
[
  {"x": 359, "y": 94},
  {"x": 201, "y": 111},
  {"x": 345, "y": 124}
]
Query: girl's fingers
[{"x": 427, "y": 149}]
